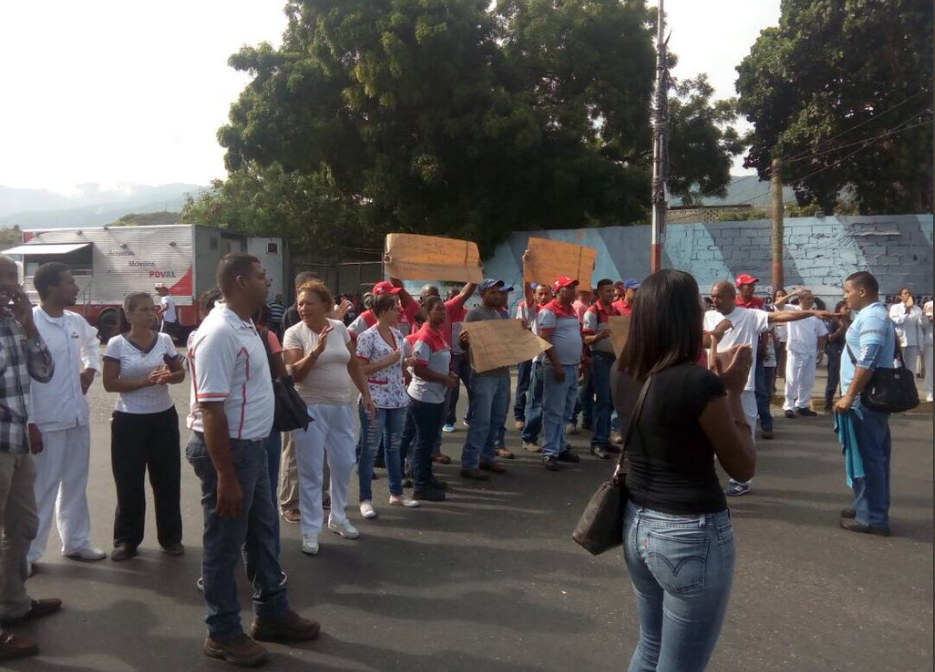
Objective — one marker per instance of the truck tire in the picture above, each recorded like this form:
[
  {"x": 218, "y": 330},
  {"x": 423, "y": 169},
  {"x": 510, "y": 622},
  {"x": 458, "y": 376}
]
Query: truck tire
[{"x": 108, "y": 324}]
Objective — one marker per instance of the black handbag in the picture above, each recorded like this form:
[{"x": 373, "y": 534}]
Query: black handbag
[
  {"x": 291, "y": 412},
  {"x": 600, "y": 527},
  {"x": 890, "y": 390}
]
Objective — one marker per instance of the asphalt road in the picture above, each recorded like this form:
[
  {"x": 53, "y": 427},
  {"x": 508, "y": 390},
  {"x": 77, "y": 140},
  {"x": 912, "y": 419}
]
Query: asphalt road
[{"x": 490, "y": 581}]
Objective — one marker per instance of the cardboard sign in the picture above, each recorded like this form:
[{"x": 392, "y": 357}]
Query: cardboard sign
[
  {"x": 548, "y": 259},
  {"x": 496, "y": 343},
  {"x": 619, "y": 331},
  {"x": 412, "y": 257}
]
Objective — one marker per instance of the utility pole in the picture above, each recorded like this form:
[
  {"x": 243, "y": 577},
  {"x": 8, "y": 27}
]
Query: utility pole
[
  {"x": 778, "y": 224},
  {"x": 660, "y": 145}
]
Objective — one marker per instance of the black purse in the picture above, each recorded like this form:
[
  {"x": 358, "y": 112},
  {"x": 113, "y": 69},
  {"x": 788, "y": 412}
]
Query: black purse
[
  {"x": 291, "y": 412},
  {"x": 890, "y": 390},
  {"x": 600, "y": 527}
]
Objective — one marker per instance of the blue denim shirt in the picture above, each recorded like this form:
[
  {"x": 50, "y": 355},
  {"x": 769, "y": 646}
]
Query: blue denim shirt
[{"x": 871, "y": 340}]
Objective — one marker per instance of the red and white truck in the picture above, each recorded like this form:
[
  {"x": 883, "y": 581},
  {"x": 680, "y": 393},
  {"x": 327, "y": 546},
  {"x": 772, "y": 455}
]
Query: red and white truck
[{"x": 112, "y": 261}]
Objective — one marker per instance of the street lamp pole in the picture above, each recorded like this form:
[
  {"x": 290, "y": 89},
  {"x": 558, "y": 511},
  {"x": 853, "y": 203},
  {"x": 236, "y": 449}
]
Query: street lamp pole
[{"x": 660, "y": 146}]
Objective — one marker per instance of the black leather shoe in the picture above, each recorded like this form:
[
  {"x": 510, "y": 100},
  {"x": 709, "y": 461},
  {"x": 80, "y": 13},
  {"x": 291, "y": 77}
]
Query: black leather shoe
[
  {"x": 122, "y": 552},
  {"x": 568, "y": 455},
  {"x": 807, "y": 413},
  {"x": 850, "y": 514},
  {"x": 853, "y": 526}
]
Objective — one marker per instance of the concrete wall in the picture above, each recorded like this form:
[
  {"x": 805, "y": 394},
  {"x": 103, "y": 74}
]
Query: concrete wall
[{"x": 820, "y": 252}]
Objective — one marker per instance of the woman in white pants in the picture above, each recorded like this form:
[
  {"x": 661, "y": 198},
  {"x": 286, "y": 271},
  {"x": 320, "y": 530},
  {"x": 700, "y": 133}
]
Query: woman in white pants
[{"x": 320, "y": 354}]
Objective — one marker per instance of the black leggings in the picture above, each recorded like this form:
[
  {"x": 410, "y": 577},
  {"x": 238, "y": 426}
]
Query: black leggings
[{"x": 139, "y": 441}]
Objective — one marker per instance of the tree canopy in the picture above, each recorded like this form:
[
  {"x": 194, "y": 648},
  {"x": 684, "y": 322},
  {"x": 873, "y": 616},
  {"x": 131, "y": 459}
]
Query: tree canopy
[
  {"x": 453, "y": 117},
  {"x": 841, "y": 90}
]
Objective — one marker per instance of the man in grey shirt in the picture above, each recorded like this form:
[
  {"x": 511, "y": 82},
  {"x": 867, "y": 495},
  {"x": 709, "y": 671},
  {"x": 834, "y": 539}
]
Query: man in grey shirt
[{"x": 490, "y": 393}]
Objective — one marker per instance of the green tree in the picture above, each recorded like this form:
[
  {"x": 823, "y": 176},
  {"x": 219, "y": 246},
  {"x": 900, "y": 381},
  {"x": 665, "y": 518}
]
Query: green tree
[
  {"x": 842, "y": 92},
  {"x": 703, "y": 141},
  {"x": 450, "y": 117}
]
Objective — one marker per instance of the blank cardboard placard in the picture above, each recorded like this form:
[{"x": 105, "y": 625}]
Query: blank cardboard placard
[
  {"x": 412, "y": 257},
  {"x": 548, "y": 259},
  {"x": 496, "y": 343},
  {"x": 619, "y": 331}
]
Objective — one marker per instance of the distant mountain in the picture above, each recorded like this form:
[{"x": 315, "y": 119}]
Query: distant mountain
[
  {"x": 742, "y": 190},
  {"x": 91, "y": 206}
]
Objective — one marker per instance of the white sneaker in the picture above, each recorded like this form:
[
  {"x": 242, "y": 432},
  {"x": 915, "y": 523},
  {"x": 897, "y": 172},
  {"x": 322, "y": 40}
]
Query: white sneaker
[
  {"x": 404, "y": 502},
  {"x": 344, "y": 528},
  {"x": 89, "y": 554},
  {"x": 367, "y": 510},
  {"x": 310, "y": 545}
]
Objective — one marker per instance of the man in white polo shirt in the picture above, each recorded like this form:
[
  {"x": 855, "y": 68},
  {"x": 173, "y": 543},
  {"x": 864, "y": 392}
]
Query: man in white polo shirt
[{"x": 231, "y": 416}]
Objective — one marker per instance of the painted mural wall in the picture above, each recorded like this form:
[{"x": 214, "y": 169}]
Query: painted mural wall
[{"x": 820, "y": 252}]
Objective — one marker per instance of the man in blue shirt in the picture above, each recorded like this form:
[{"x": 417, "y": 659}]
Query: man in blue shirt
[{"x": 870, "y": 344}]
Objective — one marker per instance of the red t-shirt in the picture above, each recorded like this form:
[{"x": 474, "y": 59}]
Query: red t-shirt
[
  {"x": 755, "y": 302},
  {"x": 623, "y": 307}
]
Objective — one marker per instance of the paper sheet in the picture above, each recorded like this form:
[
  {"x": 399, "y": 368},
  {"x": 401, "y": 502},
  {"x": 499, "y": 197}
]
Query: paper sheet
[
  {"x": 548, "y": 259},
  {"x": 412, "y": 257},
  {"x": 496, "y": 343}
]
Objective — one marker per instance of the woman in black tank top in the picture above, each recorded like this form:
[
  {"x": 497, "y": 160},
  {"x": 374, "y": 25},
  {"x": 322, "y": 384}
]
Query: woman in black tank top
[{"x": 678, "y": 541}]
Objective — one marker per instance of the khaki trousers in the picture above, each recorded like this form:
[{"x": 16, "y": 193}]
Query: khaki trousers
[{"x": 20, "y": 523}]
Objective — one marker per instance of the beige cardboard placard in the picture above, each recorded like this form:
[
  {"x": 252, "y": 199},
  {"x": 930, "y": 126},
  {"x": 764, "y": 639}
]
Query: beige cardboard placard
[
  {"x": 496, "y": 343},
  {"x": 548, "y": 259},
  {"x": 619, "y": 331},
  {"x": 412, "y": 257}
]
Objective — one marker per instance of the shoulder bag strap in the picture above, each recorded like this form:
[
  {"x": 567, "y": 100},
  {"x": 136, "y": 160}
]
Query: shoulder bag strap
[
  {"x": 897, "y": 350},
  {"x": 634, "y": 419},
  {"x": 264, "y": 336}
]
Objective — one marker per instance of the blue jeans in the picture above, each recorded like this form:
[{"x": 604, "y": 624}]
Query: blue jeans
[
  {"x": 427, "y": 419},
  {"x": 762, "y": 396},
  {"x": 491, "y": 401},
  {"x": 523, "y": 376},
  {"x": 249, "y": 537},
  {"x": 558, "y": 404},
  {"x": 534, "y": 405},
  {"x": 681, "y": 569},
  {"x": 273, "y": 445},
  {"x": 460, "y": 364},
  {"x": 872, "y": 492},
  {"x": 601, "y": 366},
  {"x": 388, "y": 428},
  {"x": 585, "y": 403}
]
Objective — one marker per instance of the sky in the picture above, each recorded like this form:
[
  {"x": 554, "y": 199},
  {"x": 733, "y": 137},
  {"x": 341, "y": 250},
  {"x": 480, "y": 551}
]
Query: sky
[{"x": 119, "y": 92}]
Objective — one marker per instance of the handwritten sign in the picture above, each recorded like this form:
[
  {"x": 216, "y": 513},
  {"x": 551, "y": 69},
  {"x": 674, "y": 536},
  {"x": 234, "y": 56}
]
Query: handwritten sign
[
  {"x": 548, "y": 259},
  {"x": 619, "y": 331},
  {"x": 412, "y": 257},
  {"x": 496, "y": 343}
]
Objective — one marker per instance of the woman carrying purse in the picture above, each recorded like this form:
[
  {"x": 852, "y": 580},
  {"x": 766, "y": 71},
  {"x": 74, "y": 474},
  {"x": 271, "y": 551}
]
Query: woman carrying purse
[{"x": 678, "y": 541}]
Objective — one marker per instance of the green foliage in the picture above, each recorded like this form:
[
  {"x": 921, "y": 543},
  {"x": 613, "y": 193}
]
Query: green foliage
[
  {"x": 147, "y": 219},
  {"x": 10, "y": 237},
  {"x": 842, "y": 91},
  {"x": 451, "y": 117}
]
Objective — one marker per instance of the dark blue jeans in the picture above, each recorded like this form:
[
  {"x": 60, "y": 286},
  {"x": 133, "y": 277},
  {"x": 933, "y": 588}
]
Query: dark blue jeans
[
  {"x": 601, "y": 366},
  {"x": 273, "y": 445},
  {"x": 585, "y": 403},
  {"x": 523, "y": 376},
  {"x": 762, "y": 396},
  {"x": 833, "y": 360},
  {"x": 250, "y": 537},
  {"x": 427, "y": 419},
  {"x": 460, "y": 364},
  {"x": 872, "y": 492},
  {"x": 534, "y": 405}
]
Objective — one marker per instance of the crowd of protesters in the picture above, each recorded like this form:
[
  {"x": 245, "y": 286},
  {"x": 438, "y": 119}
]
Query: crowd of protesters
[{"x": 381, "y": 380}]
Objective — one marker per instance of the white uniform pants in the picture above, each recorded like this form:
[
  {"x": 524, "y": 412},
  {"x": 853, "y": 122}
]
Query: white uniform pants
[
  {"x": 62, "y": 489},
  {"x": 928, "y": 372},
  {"x": 334, "y": 428},
  {"x": 911, "y": 358},
  {"x": 800, "y": 380},
  {"x": 748, "y": 401}
]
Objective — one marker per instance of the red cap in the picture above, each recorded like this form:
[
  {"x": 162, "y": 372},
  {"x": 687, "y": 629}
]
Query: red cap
[
  {"x": 745, "y": 279},
  {"x": 385, "y": 288},
  {"x": 564, "y": 281}
]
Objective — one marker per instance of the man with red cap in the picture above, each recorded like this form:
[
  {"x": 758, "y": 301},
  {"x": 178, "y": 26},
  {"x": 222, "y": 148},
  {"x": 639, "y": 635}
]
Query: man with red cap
[
  {"x": 746, "y": 298},
  {"x": 558, "y": 324},
  {"x": 367, "y": 319}
]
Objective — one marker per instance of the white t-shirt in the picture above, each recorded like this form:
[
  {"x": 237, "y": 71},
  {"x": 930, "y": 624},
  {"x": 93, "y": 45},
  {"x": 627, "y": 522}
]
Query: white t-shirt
[
  {"x": 927, "y": 323},
  {"x": 328, "y": 381},
  {"x": 748, "y": 324},
  {"x": 228, "y": 364},
  {"x": 803, "y": 335},
  {"x": 168, "y": 309},
  {"x": 137, "y": 362},
  {"x": 908, "y": 324}
]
